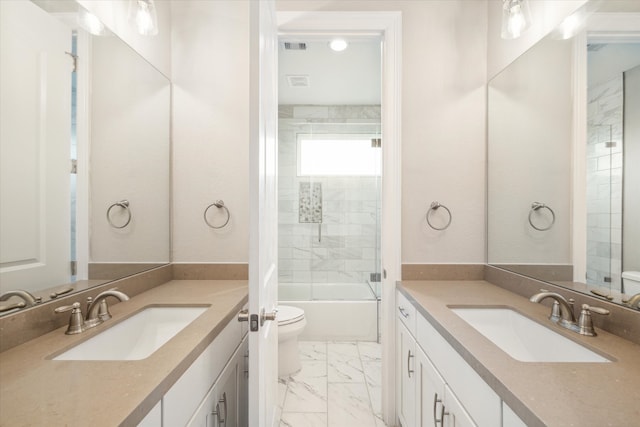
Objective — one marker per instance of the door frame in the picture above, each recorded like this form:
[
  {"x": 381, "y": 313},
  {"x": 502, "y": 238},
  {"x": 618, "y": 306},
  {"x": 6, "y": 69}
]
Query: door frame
[{"x": 389, "y": 26}]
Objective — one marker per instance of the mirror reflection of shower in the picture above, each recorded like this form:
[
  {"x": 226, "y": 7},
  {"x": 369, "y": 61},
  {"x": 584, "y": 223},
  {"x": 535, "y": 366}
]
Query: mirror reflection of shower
[
  {"x": 611, "y": 146},
  {"x": 329, "y": 185}
]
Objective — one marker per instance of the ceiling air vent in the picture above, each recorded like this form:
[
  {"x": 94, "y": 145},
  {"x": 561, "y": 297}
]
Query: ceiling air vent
[
  {"x": 298, "y": 81},
  {"x": 295, "y": 46}
]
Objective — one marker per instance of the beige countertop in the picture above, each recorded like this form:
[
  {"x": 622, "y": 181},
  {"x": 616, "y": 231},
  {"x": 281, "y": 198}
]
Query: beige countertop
[
  {"x": 36, "y": 391},
  {"x": 551, "y": 394}
]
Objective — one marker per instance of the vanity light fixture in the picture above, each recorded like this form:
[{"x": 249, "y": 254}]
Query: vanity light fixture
[
  {"x": 338, "y": 45},
  {"x": 571, "y": 26},
  {"x": 516, "y": 18},
  {"x": 142, "y": 15},
  {"x": 90, "y": 22}
]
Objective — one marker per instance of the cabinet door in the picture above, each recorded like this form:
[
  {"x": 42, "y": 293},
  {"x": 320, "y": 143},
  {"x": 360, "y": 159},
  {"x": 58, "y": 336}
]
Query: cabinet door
[
  {"x": 243, "y": 384},
  {"x": 406, "y": 349},
  {"x": 429, "y": 391},
  {"x": 453, "y": 413},
  {"x": 220, "y": 406}
]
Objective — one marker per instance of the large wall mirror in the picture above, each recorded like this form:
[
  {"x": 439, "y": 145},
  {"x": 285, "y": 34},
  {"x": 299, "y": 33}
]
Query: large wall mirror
[
  {"x": 564, "y": 156},
  {"x": 85, "y": 146}
]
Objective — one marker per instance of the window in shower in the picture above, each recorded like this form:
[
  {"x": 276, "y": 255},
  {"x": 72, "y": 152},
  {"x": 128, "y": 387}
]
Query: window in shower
[{"x": 338, "y": 155}]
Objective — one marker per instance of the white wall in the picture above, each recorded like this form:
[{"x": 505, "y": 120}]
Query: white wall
[
  {"x": 210, "y": 45},
  {"x": 545, "y": 16},
  {"x": 443, "y": 125},
  {"x": 155, "y": 49}
]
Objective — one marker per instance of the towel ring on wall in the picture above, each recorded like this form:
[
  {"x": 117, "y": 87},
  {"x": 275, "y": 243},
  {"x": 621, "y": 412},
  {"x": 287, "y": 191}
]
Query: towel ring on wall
[
  {"x": 220, "y": 205},
  {"x": 434, "y": 206},
  {"x": 535, "y": 206},
  {"x": 124, "y": 204}
]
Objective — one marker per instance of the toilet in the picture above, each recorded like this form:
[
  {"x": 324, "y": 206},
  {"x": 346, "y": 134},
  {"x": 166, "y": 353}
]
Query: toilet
[
  {"x": 631, "y": 282},
  {"x": 291, "y": 323}
]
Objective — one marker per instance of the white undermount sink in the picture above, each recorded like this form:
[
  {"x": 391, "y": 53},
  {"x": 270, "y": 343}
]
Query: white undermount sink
[
  {"x": 524, "y": 339},
  {"x": 136, "y": 337}
]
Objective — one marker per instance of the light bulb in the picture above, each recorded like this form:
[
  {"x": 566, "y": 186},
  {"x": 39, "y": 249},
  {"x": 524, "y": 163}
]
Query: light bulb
[
  {"x": 91, "y": 23},
  {"x": 338, "y": 45},
  {"x": 142, "y": 15},
  {"x": 515, "y": 18}
]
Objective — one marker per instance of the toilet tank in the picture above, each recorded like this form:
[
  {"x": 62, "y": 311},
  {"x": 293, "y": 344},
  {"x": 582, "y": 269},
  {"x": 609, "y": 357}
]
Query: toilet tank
[{"x": 631, "y": 282}]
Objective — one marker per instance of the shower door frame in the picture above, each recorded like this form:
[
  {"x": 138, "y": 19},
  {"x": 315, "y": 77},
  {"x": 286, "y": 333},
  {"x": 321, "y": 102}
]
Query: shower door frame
[{"x": 389, "y": 26}]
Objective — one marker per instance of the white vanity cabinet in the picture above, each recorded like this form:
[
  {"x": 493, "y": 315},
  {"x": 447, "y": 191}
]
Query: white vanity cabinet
[
  {"x": 406, "y": 350},
  {"x": 436, "y": 387},
  {"x": 222, "y": 405},
  {"x": 213, "y": 391}
]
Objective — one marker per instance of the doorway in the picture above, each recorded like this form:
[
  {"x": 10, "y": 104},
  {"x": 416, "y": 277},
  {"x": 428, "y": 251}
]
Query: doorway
[
  {"x": 329, "y": 175},
  {"x": 385, "y": 26}
]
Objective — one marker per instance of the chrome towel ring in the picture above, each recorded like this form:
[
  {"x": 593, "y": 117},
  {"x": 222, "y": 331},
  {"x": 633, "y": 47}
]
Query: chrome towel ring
[
  {"x": 220, "y": 205},
  {"x": 124, "y": 204},
  {"x": 434, "y": 207},
  {"x": 536, "y": 206}
]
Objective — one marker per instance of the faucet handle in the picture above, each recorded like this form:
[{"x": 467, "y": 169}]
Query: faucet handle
[
  {"x": 598, "y": 310},
  {"x": 76, "y": 321},
  {"x": 585, "y": 324}
]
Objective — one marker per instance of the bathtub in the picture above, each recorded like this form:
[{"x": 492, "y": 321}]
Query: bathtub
[{"x": 334, "y": 311}]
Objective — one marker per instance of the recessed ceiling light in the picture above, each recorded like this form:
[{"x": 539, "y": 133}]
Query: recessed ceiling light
[{"x": 338, "y": 45}]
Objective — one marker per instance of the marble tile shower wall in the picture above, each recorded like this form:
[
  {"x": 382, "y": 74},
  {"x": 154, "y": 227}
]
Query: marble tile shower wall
[
  {"x": 344, "y": 248},
  {"x": 604, "y": 183}
]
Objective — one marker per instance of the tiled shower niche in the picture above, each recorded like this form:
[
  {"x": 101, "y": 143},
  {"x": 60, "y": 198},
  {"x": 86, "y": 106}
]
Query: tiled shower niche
[{"x": 328, "y": 229}]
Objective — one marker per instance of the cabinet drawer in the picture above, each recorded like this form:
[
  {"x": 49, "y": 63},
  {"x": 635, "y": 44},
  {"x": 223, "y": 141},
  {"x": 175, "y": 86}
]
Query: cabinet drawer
[
  {"x": 479, "y": 400},
  {"x": 406, "y": 312},
  {"x": 182, "y": 400}
]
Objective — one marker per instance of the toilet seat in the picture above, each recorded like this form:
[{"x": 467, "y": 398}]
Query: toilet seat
[{"x": 288, "y": 315}]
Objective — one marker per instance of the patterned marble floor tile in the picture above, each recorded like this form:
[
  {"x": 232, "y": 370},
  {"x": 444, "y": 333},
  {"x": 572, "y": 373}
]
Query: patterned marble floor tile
[
  {"x": 296, "y": 419},
  {"x": 313, "y": 350},
  {"x": 311, "y": 369},
  {"x": 370, "y": 351},
  {"x": 375, "y": 396},
  {"x": 349, "y": 406},
  {"x": 345, "y": 371},
  {"x": 372, "y": 373},
  {"x": 306, "y": 395},
  {"x": 282, "y": 391},
  {"x": 379, "y": 422},
  {"x": 342, "y": 350}
]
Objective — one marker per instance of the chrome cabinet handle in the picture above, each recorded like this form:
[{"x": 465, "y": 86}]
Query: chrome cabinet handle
[
  {"x": 224, "y": 403},
  {"x": 216, "y": 413},
  {"x": 435, "y": 406},
  {"x": 403, "y": 312},
  {"x": 409, "y": 370},
  {"x": 440, "y": 420}
]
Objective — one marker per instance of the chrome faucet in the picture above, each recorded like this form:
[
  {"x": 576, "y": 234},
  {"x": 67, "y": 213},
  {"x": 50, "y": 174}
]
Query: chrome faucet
[
  {"x": 633, "y": 302},
  {"x": 98, "y": 310},
  {"x": 562, "y": 310},
  {"x": 29, "y": 299},
  {"x": 562, "y": 313}
]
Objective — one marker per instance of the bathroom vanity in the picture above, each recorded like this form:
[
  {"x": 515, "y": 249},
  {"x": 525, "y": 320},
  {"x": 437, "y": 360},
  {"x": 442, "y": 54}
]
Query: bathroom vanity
[
  {"x": 198, "y": 374},
  {"x": 446, "y": 369}
]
